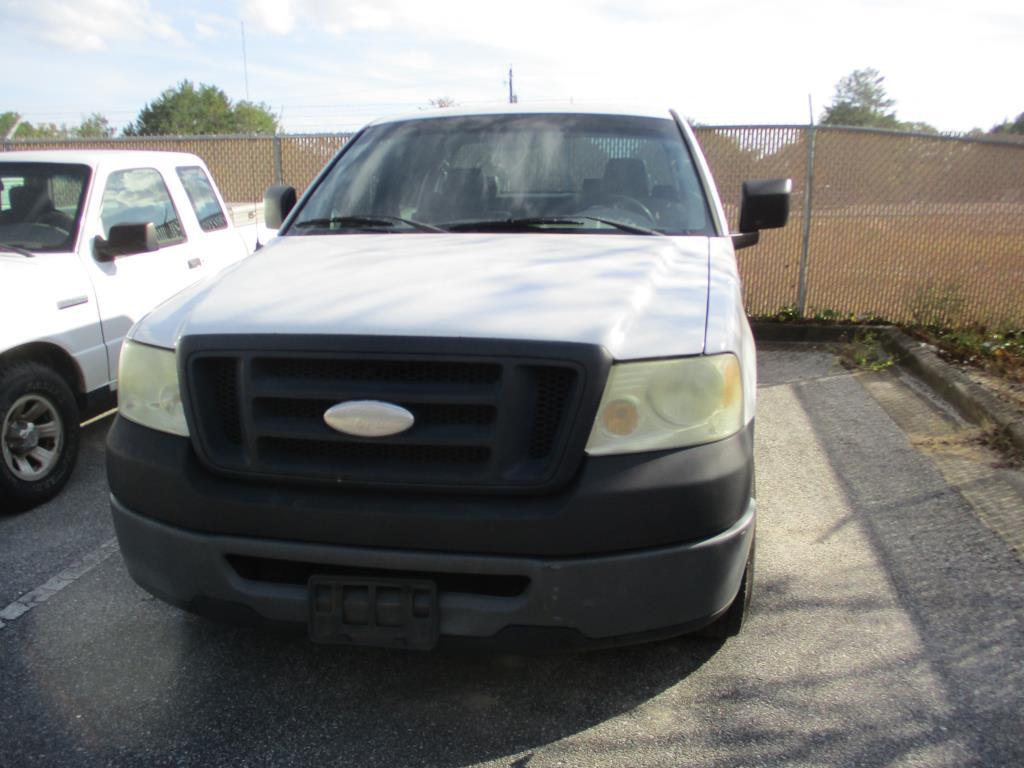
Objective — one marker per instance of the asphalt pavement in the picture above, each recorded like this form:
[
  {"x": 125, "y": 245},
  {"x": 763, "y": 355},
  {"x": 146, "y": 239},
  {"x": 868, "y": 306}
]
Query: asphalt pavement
[{"x": 887, "y": 630}]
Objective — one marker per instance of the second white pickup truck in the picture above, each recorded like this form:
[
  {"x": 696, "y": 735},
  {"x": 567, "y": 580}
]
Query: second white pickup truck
[{"x": 89, "y": 242}]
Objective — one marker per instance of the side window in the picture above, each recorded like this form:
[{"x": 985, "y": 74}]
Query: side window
[
  {"x": 204, "y": 201},
  {"x": 138, "y": 196},
  {"x": 7, "y": 183}
]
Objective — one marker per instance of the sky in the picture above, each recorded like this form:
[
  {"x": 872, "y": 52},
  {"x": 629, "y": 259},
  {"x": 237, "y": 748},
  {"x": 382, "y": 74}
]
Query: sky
[{"x": 330, "y": 65}]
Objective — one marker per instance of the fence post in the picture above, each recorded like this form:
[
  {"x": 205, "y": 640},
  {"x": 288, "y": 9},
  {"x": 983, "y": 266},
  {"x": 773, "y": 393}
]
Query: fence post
[
  {"x": 801, "y": 293},
  {"x": 278, "y": 174}
]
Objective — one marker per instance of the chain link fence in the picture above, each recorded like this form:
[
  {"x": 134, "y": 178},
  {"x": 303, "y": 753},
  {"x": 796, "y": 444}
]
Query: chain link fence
[{"x": 907, "y": 227}]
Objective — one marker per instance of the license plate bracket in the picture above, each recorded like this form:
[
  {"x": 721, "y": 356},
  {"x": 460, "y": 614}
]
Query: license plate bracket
[{"x": 389, "y": 613}]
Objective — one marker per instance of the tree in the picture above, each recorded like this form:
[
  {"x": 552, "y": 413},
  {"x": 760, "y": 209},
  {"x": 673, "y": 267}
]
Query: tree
[
  {"x": 26, "y": 130},
  {"x": 1007, "y": 126},
  {"x": 443, "y": 102},
  {"x": 250, "y": 117},
  {"x": 7, "y": 121},
  {"x": 94, "y": 126},
  {"x": 188, "y": 110},
  {"x": 860, "y": 100},
  {"x": 918, "y": 127}
]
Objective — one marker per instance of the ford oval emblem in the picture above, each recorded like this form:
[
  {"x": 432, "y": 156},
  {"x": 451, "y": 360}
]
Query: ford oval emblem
[{"x": 368, "y": 418}]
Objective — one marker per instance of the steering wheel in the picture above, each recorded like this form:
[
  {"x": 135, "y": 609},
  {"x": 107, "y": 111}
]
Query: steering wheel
[
  {"x": 631, "y": 203},
  {"x": 57, "y": 220}
]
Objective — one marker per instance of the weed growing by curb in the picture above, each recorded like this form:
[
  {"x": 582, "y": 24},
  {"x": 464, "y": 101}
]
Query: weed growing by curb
[{"x": 864, "y": 350}]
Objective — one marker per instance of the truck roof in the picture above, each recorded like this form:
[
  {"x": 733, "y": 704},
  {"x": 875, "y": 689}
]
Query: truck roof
[
  {"x": 530, "y": 109},
  {"x": 108, "y": 158}
]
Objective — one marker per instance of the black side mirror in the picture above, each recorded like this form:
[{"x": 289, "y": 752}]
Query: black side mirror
[
  {"x": 277, "y": 204},
  {"x": 125, "y": 240},
  {"x": 764, "y": 205}
]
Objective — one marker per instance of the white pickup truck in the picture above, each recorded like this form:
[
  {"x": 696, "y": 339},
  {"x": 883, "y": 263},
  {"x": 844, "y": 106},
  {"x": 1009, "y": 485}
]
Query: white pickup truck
[
  {"x": 89, "y": 242},
  {"x": 492, "y": 382}
]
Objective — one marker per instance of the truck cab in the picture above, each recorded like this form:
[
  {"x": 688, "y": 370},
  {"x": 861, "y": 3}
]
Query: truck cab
[{"x": 90, "y": 241}]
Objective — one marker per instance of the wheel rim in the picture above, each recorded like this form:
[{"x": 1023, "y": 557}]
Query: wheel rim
[{"x": 32, "y": 437}]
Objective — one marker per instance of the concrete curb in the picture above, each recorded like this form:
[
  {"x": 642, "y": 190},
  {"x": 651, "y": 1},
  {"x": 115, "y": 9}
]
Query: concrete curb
[
  {"x": 971, "y": 400},
  {"x": 766, "y": 331}
]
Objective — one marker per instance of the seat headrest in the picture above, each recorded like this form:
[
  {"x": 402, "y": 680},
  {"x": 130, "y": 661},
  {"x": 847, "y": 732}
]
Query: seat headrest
[
  {"x": 465, "y": 183},
  {"x": 625, "y": 176},
  {"x": 23, "y": 198}
]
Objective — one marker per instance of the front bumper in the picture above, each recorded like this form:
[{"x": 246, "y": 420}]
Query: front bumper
[
  {"x": 568, "y": 602},
  {"x": 613, "y": 504}
]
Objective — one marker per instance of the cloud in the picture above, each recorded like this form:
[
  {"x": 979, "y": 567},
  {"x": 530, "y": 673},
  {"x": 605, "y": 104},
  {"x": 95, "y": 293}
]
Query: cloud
[
  {"x": 336, "y": 17},
  {"x": 209, "y": 26},
  {"x": 204, "y": 31},
  {"x": 90, "y": 25},
  {"x": 275, "y": 16}
]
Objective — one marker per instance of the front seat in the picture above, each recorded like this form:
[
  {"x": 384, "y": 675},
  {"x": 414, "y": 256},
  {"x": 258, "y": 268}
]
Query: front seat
[
  {"x": 32, "y": 204},
  {"x": 625, "y": 176},
  {"x": 463, "y": 194}
]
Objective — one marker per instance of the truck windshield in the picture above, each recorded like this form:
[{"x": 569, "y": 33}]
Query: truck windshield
[
  {"x": 41, "y": 204},
  {"x": 534, "y": 172}
]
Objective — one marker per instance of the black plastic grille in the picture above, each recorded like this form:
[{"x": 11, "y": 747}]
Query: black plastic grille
[
  {"x": 299, "y": 572},
  {"x": 495, "y": 422},
  {"x": 552, "y": 395},
  {"x": 308, "y": 455},
  {"x": 425, "y": 413},
  {"x": 379, "y": 370},
  {"x": 227, "y": 401},
  {"x": 221, "y": 413}
]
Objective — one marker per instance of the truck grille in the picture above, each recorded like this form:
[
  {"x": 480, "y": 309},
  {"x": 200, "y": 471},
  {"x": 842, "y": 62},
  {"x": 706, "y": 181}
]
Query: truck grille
[{"x": 482, "y": 421}]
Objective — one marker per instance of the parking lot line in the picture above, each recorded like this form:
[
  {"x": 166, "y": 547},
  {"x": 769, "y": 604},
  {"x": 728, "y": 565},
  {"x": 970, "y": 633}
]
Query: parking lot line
[{"x": 55, "y": 584}]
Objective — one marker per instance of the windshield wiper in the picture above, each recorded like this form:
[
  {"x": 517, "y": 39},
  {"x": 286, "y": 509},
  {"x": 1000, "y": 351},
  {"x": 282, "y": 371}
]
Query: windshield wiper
[
  {"x": 17, "y": 249},
  {"x": 636, "y": 229},
  {"x": 528, "y": 222},
  {"x": 374, "y": 220}
]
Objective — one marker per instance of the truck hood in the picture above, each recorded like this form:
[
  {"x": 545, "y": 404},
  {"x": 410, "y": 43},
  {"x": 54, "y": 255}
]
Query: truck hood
[{"x": 638, "y": 296}]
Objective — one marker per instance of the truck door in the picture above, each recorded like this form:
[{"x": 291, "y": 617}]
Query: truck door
[
  {"x": 218, "y": 244},
  {"x": 129, "y": 286}
]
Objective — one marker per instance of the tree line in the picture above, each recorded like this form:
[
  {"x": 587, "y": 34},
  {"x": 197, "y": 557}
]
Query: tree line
[
  {"x": 187, "y": 109},
  {"x": 860, "y": 100}
]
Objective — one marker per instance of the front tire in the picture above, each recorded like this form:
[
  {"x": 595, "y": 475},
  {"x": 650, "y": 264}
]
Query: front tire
[
  {"x": 38, "y": 434},
  {"x": 730, "y": 623}
]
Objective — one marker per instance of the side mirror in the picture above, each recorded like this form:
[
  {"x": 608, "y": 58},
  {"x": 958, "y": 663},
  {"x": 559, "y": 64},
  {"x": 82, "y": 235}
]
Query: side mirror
[
  {"x": 764, "y": 205},
  {"x": 277, "y": 204},
  {"x": 125, "y": 240}
]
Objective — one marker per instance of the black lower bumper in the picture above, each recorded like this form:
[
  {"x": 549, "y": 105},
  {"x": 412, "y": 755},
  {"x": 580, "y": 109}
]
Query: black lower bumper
[
  {"x": 635, "y": 546},
  {"x": 614, "y": 504},
  {"x": 596, "y": 600}
]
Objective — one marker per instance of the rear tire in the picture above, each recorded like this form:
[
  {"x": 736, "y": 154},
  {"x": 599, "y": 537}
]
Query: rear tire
[{"x": 38, "y": 434}]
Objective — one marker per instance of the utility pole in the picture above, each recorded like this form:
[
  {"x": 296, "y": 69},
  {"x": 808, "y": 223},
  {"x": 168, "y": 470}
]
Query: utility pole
[
  {"x": 512, "y": 99},
  {"x": 10, "y": 133},
  {"x": 245, "y": 62}
]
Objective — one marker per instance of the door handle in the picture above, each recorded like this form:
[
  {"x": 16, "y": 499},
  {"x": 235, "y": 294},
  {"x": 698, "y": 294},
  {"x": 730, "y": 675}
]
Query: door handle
[{"x": 194, "y": 263}]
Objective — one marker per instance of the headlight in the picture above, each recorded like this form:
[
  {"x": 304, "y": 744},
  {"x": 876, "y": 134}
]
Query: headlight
[
  {"x": 653, "y": 406},
  {"x": 147, "y": 388}
]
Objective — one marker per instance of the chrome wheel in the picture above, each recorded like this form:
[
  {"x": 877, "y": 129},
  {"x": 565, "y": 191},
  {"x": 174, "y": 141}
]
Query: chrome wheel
[{"x": 32, "y": 437}]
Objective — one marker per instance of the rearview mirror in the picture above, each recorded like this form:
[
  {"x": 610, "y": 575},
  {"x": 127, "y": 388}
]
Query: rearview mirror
[
  {"x": 764, "y": 205},
  {"x": 277, "y": 204},
  {"x": 125, "y": 240}
]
